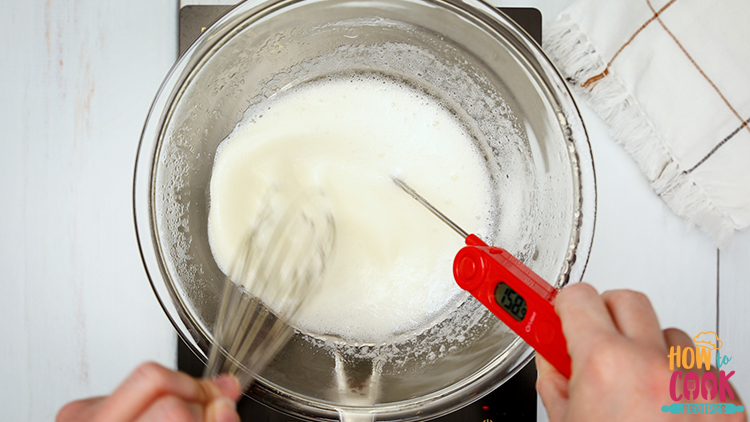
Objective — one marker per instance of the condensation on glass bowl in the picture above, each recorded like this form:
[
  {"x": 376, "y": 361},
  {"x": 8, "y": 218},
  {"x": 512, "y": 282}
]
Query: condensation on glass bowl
[{"x": 483, "y": 69}]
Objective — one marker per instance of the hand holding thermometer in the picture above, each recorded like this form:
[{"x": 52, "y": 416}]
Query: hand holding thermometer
[{"x": 508, "y": 288}]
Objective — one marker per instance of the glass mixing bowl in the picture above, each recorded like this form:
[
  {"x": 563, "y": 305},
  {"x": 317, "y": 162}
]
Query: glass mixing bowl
[{"x": 465, "y": 54}]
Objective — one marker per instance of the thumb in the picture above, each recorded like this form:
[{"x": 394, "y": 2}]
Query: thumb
[
  {"x": 552, "y": 387},
  {"x": 222, "y": 409}
]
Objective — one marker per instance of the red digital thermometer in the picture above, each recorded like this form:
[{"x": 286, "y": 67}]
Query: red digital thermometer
[{"x": 510, "y": 289}]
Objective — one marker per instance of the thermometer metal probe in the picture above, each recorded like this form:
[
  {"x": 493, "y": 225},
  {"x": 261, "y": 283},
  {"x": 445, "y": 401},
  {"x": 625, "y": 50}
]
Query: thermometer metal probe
[{"x": 509, "y": 289}]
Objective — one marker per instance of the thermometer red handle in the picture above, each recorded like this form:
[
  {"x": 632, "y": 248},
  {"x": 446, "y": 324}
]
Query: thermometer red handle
[{"x": 516, "y": 295}]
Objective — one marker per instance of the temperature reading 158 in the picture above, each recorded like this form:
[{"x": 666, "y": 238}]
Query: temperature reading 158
[
  {"x": 511, "y": 301},
  {"x": 478, "y": 269}
]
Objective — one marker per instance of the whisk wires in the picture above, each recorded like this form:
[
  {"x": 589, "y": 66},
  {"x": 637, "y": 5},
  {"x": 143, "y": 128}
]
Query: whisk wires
[{"x": 278, "y": 265}]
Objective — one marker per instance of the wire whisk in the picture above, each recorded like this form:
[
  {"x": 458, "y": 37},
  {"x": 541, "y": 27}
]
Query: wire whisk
[{"x": 279, "y": 264}]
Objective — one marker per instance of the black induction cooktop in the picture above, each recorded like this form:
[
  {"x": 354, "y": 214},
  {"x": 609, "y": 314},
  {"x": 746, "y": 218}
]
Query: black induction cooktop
[
  {"x": 513, "y": 401},
  {"x": 194, "y": 19}
]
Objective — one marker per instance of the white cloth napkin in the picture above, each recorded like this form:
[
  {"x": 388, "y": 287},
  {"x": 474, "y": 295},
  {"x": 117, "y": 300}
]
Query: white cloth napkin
[{"x": 672, "y": 79}]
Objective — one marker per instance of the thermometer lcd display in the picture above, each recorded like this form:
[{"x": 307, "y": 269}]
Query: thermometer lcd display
[{"x": 511, "y": 301}]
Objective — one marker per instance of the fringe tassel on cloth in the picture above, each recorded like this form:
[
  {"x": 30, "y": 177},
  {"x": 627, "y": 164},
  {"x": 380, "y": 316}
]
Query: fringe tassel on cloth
[{"x": 577, "y": 59}]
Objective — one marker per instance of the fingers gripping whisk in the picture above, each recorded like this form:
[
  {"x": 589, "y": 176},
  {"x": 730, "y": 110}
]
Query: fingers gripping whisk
[{"x": 277, "y": 267}]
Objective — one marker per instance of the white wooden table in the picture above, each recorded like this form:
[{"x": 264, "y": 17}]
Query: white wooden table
[{"x": 77, "y": 309}]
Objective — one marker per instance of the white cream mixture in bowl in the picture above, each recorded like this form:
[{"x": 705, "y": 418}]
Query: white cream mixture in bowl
[
  {"x": 350, "y": 134},
  {"x": 340, "y": 96}
]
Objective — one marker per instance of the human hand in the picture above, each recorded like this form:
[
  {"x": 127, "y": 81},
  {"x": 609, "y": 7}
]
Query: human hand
[
  {"x": 619, "y": 358},
  {"x": 155, "y": 393}
]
